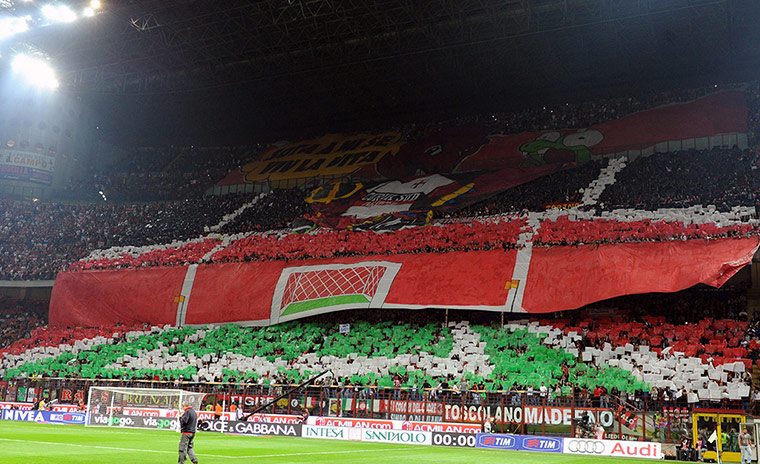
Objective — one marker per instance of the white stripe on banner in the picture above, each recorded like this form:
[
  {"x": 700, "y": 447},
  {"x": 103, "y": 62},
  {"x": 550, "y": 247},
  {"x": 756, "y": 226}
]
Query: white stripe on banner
[
  {"x": 187, "y": 287},
  {"x": 522, "y": 265}
]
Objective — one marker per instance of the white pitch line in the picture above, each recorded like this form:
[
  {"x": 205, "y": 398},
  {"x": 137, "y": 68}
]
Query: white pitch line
[
  {"x": 109, "y": 447},
  {"x": 204, "y": 454}
]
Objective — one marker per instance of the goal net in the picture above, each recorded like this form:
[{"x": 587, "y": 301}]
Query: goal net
[
  {"x": 140, "y": 408},
  {"x": 358, "y": 285}
]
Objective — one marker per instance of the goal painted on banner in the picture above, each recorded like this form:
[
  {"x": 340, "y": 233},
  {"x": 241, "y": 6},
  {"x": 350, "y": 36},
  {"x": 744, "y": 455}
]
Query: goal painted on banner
[
  {"x": 138, "y": 408},
  {"x": 334, "y": 286}
]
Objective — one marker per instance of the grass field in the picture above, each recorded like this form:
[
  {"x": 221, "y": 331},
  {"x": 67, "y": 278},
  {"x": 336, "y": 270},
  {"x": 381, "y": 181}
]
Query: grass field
[{"x": 30, "y": 443}]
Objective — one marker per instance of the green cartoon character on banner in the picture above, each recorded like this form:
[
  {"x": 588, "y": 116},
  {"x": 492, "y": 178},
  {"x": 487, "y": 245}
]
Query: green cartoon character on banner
[{"x": 552, "y": 147}]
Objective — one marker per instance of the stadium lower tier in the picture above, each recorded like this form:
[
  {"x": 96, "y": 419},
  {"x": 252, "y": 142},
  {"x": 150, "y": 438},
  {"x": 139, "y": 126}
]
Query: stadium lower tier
[
  {"x": 429, "y": 362},
  {"x": 532, "y": 279}
]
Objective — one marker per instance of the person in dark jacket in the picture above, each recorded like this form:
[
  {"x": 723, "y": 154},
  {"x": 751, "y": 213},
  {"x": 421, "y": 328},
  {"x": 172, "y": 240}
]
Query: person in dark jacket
[{"x": 187, "y": 424}]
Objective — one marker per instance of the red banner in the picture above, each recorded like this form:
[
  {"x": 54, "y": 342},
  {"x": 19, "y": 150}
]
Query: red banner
[
  {"x": 126, "y": 296},
  {"x": 722, "y": 113},
  {"x": 566, "y": 277},
  {"x": 558, "y": 278}
]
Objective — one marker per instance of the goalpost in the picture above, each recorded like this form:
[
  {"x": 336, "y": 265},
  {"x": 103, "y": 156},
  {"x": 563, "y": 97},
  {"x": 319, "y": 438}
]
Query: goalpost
[
  {"x": 140, "y": 408},
  {"x": 305, "y": 290}
]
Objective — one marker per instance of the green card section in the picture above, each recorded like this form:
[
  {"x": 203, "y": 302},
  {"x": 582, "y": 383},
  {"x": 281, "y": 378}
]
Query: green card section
[
  {"x": 517, "y": 357},
  {"x": 301, "y": 306}
]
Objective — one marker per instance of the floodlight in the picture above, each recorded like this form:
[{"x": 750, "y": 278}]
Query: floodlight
[
  {"x": 35, "y": 71},
  {"x": 88, "y": 12},
  {"x": 59, "y": 13},
  {"x": 95, "y": 4},
  {"x": 13, "y": 25}
]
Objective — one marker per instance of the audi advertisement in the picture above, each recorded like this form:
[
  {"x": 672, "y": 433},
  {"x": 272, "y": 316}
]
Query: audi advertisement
[{"x": 622, "y": 449}]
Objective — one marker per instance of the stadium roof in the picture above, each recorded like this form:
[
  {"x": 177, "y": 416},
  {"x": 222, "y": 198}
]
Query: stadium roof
[{"x": 203, "y": 71}]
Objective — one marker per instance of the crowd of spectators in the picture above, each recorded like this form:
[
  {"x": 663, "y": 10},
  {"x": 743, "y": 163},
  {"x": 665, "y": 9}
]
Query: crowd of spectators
[
  {"x": 189, "y": 253},
  {"x": 172, "y": 173},
  {"x": 332, "y": 244},
  {"x": 39, "y": 239},
  {"x": 564, "y": 232},
  {"x": 720, "y": 177},
  {"x": 642, "y": 320},
  {"x": 562, "y": 187},
  {"x": 685, "y": 307},
  {"x": 19, "y": 318},
  {"x": 566, "y": 115},
  {"x": 275, "y": 211},
  {"x": 158, "y": 174}
]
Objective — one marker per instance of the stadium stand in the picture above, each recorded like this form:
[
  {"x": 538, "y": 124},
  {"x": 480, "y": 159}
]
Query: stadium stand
[
  {"x": 565, "y": 186},
  {"x": 18, "y": 318},
  {"x": 158, "y": 174},
  {"x": 720, "y": 177},
  {"x": 655, "y": 352},
  {"x": 70, "y": 232},
  {"x": 702, "y": 363}
]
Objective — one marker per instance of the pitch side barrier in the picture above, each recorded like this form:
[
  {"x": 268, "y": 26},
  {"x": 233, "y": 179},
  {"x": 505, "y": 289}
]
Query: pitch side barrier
[
  {"x": 412, "y": 436},
  {"x": 512, "y": 412},
  {"x": 44, "y": 417}
]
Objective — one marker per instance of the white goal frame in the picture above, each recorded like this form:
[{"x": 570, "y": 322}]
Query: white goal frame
[
  {"x": 149, "y": 417},
  {"x": 376, "y": 300}
]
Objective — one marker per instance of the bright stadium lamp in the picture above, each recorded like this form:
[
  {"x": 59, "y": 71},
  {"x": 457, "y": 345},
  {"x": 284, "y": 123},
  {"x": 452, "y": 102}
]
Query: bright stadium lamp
[
  {"x": 59, "y": 14},
  {"x": 95, "y": 4},
  {"x": 13, "y": 25},
  {"x": 35, "y": 71},
  {"x": 88, "y": 12}
]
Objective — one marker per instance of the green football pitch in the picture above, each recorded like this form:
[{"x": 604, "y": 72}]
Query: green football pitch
[{"x": 30, "y": 443}]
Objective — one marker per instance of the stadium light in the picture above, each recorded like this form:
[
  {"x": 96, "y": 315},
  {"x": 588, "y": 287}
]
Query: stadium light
[
  {"x": 88, "y": 12},
  {"x": 59, "y": 13},
  {"x": 13, "y": 25},
  {"x": 35, "y": 71},
  {"x": 95, "y": 4}
]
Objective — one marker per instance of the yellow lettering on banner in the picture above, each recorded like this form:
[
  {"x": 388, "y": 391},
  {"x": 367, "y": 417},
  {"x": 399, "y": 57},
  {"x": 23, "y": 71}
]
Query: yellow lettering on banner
[
  {"x": 318, "y": 196},
  {"x": 332, "y": 154},
  {"x": 461, "y": 191}
]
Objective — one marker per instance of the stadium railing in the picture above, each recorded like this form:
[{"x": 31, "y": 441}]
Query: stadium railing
[{"x": 627, "y": 417}]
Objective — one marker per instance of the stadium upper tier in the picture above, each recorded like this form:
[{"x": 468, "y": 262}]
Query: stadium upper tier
[
  {"x": 39, "y": 239},
  {"x": 169, "y": 173},
  {"x": 651, "y": 168}
]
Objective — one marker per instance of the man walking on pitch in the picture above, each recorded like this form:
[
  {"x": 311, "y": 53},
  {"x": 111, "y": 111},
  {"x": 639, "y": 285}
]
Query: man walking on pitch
[
  {"x": 187, "y": 424},
  {"x": 745, "y": 444}
]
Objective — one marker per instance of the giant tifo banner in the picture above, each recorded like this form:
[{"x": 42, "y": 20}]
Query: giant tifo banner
[
  {"x": 269, "y": 292},
  {"x": 462, "y": 149},
  {"x": 27, "y": 166},
  {"x": 330, "y": 155},
  {"x": 393, "y": 204}
]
